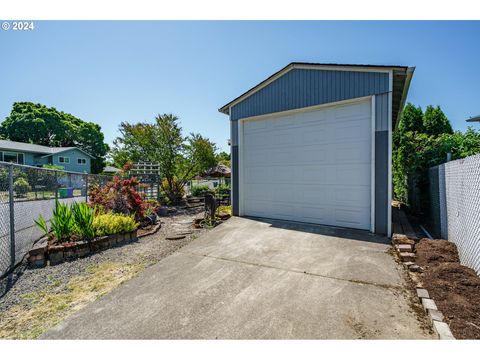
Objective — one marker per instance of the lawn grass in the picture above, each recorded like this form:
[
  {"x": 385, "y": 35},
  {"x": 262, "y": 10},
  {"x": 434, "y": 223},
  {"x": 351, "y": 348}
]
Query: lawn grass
[{"x": 42, "y": 310}]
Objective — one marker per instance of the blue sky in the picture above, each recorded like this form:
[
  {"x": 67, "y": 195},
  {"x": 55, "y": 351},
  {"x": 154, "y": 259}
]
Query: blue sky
[{"x": 109, "y": 72}]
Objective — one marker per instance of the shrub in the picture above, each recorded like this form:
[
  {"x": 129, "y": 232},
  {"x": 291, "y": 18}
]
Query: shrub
[
  {"x": 119, "y": 196},
  {"x": 83, "y": 216},
  {"x": 63, "y": 223},
  {"x": 199, "y": 190},
  {"x": 108, "y": 224},
  {"x": 173, "y": 193},
  {"x": 226, "y": 209},
  {"x": 21, "y": 187},
  {"x": 223, "y": 190}
]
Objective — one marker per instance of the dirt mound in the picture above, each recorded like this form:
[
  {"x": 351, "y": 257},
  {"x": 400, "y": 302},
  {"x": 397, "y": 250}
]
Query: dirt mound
[
  {"x": 432, "y": 252},
  {"x": 456, "y": 291}
]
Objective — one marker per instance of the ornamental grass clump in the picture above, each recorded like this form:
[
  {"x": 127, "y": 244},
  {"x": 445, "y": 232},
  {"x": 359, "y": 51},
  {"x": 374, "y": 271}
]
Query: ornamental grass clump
[
  {"x": 83, "y": 216},
  {"x": 63, "y": 222}
]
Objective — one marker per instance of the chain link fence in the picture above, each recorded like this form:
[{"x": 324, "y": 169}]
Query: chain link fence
[
  {"x": 26, "y": 193},
  {"x": 454, "y": 211}
]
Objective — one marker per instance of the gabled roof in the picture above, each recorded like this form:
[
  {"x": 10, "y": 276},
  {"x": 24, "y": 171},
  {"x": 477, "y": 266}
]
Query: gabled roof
[
  {"x": 111, "y": 169},
  {"x": 401, "y": 81},
  {"x": 37, "y": 149}
]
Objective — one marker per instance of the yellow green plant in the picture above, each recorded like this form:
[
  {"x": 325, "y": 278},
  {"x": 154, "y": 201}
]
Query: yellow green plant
[{"x": 108, "y": 224}]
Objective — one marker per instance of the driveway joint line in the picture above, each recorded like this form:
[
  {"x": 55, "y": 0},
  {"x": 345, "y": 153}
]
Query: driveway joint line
[{"x": 361, "y": 282}]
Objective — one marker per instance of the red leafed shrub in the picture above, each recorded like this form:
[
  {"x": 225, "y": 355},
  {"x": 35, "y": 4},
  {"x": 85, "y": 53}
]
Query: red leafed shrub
[{"x": 119, "y": 196}]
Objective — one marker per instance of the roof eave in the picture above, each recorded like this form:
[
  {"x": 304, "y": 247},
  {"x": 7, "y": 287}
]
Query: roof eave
[
  {"x": 70, "y": 148},
  {"x": 406, "y": 87}
]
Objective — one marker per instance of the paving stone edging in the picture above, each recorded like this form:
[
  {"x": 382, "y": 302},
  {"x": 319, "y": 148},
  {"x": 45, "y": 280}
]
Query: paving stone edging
[
  {"x": 153, "y": 231},
  {"x": 405, "y": 249},
  {"x": 43, "y": 255}
]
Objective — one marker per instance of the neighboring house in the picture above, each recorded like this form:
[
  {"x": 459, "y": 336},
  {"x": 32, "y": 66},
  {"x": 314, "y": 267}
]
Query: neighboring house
[
  {"x": 70, "y": 158},
  {"x": 313, "y": 143}
]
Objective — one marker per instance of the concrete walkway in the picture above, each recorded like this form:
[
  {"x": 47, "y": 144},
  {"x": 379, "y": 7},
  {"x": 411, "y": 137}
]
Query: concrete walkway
[{"x": 251, "y": 279}]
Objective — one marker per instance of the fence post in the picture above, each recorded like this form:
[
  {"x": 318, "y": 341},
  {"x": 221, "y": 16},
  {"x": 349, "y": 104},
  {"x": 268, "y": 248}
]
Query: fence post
[
  {"x": 12, "y": 216},
  {"x": 86, "y": 188},
  {"x": 56, "y": 188}
]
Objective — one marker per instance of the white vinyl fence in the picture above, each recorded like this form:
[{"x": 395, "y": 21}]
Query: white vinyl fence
[{"x": 455, "y": 206}]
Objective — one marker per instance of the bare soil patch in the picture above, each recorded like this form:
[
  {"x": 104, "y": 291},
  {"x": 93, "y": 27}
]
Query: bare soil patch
[
  {"x": 433, "y": 252},
  {"x": 454, "y": 287}
]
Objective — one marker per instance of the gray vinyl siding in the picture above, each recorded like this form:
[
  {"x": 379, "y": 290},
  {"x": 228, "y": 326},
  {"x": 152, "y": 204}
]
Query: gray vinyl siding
[
  {"x": 235, "y": 193},
  {"x": 381, "y": 182},
  {"x": 381, "y": 163},
  {"x": 381, "y": 112},
  {"x": 301, "y": 88}
]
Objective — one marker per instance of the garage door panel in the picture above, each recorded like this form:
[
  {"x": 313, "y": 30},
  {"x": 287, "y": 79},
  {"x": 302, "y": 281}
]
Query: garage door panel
[
  {"x": 357, "y": 174},
  {"x": 352, "y": 131},
  {"x": 257, "y": 174},
  {"x": 330, "y": 174},
  {"x": 316, "y": 214},
  {"x": 255, "y": 127},
  {"x": 315, "y": 136},
  {"x": 333, "y": 195},
  {"x": 284, "y": 174},
  {"x": 258, "y": 140},
  {"x": 352, "y": 110},
  {"x": 257, "y": 159},
  {"x": 312, "y": 167},
  {"x": 260, "y": 192},
  {"x": 352, "y": 196},
  {"x": 352, "y": 152},
  {"x": 316, "y": 117},
  {"x": 352, "y": 217}
]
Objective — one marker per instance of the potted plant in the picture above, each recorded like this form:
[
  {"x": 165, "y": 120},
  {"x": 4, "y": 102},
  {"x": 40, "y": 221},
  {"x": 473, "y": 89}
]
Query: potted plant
[
  {"x": 150, "y": 215},
  {"x": 162, "y": 210}
]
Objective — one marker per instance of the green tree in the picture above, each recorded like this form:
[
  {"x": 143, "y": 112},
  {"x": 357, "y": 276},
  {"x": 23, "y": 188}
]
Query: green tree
[
  {"x": 38, "y": 124},
  {"x": 180, "y": 158},
  {"x": 421, "y": 142},
  {"x": 412, "y": 119},
  {"x": 224, "y": 158},
  {"x": 435, "y": 121}
]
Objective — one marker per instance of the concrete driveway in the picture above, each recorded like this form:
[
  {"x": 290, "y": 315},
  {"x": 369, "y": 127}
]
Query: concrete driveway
[{"x": 253, "y": 279}]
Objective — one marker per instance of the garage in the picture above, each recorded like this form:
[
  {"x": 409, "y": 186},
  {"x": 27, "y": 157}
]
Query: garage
[{"x": 312, "y": 143}]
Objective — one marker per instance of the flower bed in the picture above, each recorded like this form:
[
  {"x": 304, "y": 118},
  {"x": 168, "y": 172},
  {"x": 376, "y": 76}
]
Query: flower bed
[{"x": 113, "y": 215}]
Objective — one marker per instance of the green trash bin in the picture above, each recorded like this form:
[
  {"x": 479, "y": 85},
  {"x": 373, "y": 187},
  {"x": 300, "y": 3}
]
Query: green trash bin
[{"x": 62, "y": 192}]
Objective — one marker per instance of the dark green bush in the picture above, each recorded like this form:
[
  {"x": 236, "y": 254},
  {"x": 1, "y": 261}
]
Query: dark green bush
[
  {"x": 21, "y": 187},
  {"x": 223, "y": 190},
  {"x": 199, "y": 190}
]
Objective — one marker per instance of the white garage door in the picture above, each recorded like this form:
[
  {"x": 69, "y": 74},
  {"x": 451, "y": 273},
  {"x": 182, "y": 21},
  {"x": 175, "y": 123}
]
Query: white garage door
[{"x": 311, "y": 167}]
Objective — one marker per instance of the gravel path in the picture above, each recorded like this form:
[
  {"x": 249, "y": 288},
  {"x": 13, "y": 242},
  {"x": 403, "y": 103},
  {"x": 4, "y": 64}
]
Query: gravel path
[{"x": 149, "y": 249}]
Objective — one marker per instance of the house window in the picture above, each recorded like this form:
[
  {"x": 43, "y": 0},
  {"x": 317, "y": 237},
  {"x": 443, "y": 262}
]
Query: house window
[
  {"x": 81, "y": 161},
  {"x": 12, "y": 157},
  {"x": 64, "y": 159}
]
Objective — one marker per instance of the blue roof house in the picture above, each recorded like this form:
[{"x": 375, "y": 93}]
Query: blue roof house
[{"x": 70, "y": 158}]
